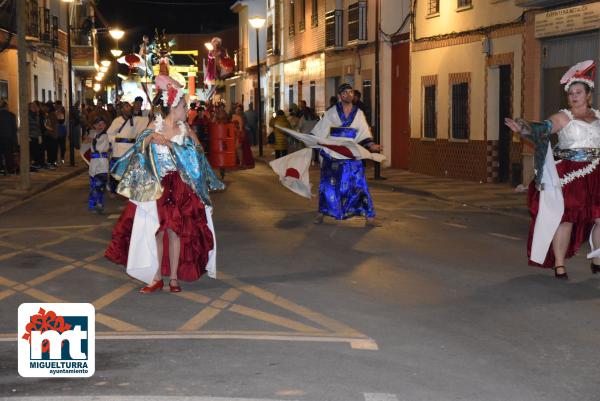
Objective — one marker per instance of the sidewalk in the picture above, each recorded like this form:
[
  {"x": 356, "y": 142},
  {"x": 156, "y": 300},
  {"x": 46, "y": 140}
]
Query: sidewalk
[
  {"x": 11, "y": 195},
  {"x": 496, "y": 197}
]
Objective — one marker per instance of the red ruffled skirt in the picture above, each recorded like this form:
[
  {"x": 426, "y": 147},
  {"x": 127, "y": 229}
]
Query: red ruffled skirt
[
  {"x": 180, "y": 210},
  {"x": 582, "y": 206}
]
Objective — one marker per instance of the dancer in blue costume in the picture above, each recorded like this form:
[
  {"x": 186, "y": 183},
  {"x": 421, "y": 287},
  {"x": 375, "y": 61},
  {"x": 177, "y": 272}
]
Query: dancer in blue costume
[{"x": 343, "y": 191}]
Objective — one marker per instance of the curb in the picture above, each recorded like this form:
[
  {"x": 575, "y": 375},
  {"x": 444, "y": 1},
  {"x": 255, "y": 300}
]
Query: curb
[{"x": 44, "y": 188}]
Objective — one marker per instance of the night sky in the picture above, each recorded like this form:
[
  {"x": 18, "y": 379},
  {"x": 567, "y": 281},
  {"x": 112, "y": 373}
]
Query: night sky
[{"x": 138, "y": 17}]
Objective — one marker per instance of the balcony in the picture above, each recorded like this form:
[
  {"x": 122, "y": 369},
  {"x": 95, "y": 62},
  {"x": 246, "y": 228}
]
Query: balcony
[
  {"x": 540, "y": 3},
  {"x": 238, "y": 58}
]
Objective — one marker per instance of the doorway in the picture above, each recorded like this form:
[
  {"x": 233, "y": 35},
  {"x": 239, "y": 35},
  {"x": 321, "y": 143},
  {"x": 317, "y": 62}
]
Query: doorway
[
  {"x": 504, "y": 133},
  {"x": 400, "y": 105}
]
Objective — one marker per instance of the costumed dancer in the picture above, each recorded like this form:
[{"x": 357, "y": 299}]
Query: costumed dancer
[
  {"x": 166, "y": 228},
  {"x": 98, "y": 164},
  {"x": 344, "y": 139},
  {"x": 218, "y": 67},
  {"x": 122, "y": 134},
  {"x": 564, "y": 198},
  {"x": 343, "y": 191}
]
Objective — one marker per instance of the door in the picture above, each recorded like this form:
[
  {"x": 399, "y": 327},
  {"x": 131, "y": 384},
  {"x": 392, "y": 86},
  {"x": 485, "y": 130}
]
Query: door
[
  {"x": 505, "y": 134},
  {"x": 400, "y": 103}
]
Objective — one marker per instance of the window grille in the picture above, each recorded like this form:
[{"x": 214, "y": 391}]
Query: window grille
[
  {"x": 433, "y": 7},
  {"x": 314, "y": 18},
  {"x": 460, "y": 111},
  {"x": 429, "y": 112}
]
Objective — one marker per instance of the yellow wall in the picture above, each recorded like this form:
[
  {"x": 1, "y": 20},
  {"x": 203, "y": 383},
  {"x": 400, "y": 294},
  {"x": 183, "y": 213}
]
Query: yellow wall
[
  {"x": 8, "y": 72},
  {"x": 483, "y": 13}
]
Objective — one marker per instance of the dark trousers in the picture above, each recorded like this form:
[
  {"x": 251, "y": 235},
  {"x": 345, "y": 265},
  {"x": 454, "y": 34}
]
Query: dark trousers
[
  {"x": 62, "y": 147},
  {"x": 7, "y": 149},
  {"x": 50, "y": 148},
  {"x": 280, "y": 153},
  {"x": 35, "y": 152},
  {"x": 97, "y": 187}
]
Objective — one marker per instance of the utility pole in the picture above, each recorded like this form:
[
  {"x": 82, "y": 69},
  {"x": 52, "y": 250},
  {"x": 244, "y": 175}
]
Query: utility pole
[
  {"x": 24, "y": 182},
  {"x": 377, "y": 91}
]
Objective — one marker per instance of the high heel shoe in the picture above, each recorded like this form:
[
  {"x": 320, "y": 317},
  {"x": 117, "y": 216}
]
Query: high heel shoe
[
  {"x": 156, "y": 286},
  {"x": 562, "y": 275},
  {"x": 594, "y": 268},
  {"x": 174, "y": 288}
]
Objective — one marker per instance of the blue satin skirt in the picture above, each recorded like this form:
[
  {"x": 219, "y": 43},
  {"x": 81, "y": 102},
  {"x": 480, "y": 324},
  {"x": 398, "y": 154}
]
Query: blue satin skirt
[{"x": 343, "y": 191}]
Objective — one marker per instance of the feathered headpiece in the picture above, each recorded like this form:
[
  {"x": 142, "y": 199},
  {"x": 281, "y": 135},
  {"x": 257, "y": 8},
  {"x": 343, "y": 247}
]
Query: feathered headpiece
[
  {"x": 584, "y": 72},
  {"x": 172, "y": 91}
]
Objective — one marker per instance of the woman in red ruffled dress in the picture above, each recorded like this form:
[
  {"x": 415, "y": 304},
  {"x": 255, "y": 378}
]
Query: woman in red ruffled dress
[
  {"x": 166, "y": 228},
  {"x": 564, "y": 199}
]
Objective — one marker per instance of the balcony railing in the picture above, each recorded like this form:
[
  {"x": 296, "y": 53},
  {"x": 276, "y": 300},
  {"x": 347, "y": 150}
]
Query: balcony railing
[{"x": 33, "y": 19}]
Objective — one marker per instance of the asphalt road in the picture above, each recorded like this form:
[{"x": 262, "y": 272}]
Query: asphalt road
[{"x": 438, "y": 304}]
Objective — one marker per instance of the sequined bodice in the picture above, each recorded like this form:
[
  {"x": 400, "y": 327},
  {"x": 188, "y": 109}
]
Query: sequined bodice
[
  {"x": 578, "y": 134},
  {"x": 165, "y": 158}
]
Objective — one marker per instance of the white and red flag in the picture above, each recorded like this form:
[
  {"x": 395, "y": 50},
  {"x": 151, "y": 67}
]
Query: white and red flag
[{"x": 293, "y": 171}]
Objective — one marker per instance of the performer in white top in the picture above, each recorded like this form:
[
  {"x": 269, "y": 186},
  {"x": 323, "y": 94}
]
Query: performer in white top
[
  {"x": 122, "y": 134},
  {"x": 564, "y": 199}
]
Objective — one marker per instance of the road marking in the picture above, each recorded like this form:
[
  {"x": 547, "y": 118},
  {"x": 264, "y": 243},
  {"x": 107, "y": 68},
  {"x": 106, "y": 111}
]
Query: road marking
[
  {"x": 380, "y": 397},
  {"x": 456, "y": 225},
  {"x": 112, "y": 296},
  {"x": 200, "y": 319},
  {"x": 418, "y": 216},
  {"x": 113, "y": 216},
  {"x": 50, "y": 275},
  {"x": 116, "y": 324},
  {"x": 44, "y": 228},
  {"x": 6, "y": 293},
  {"x": 369, "y": 345},
  {"x": 141, "y": 398},
  {"x": 273, "y": 319},
  {"x": 506, "y": 236}
]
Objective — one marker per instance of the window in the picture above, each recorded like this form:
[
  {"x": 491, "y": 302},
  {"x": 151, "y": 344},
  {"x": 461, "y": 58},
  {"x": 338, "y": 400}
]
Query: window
[
  {"x": 301, "y": 22},
  {"x": 270, "y": 50},
  {"x": 43, "y": 95},
  {"x": 333, "y": 28},
  {"x": 460, "y": 110},
  {"x": 290, "y": 96},
  {"x": 292, "y": 24},
  {"x": 357, "y": 21},
  {"x": 314, "y": 18},
  {"x": 46, "y": 31},
  {"x": 313, "y": 95},
  {"x": 433, "y": 7},
  {"x": 33, "y": 18},
  {"x": 35, "y": 88},
  {"x": 4, "y": 90},
  {"x": 463, "y": 4},
  {"x": 429, "y": 112},
  {"x": 232, "y": 94},
  {"x": 277, "y": 93},
  {"x": 54, "y": 38},
  {"x": 49, "y": 95}
]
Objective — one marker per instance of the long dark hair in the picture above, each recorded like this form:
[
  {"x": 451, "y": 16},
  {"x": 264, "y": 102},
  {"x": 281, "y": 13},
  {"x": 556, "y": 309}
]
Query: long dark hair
[{"x": 158, "y": 106}]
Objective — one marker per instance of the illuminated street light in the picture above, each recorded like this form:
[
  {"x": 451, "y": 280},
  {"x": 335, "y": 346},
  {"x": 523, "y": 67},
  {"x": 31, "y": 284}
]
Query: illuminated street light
[
  {"x": 103, "y": 69},
  {"x": 116, "y": 52},
  {"x": 116, "y": 33},
  {"x": 257, "y": 22},
  {"x": 105, "y": 63},
  {"x": 97, "y": 87}
]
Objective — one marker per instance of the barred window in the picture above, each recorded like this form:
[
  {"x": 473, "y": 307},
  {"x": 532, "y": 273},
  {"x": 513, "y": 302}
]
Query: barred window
[
  {"x": 463, "y": 3},
  {"x": 460, "y": 110},
  {"x": 429, "y": 112},
  {"x": 292, "y": 23},
  {"x": 302, "y": 21},
  {"x": 314, "y": 19},
  {"x": 433, "y": 7}
]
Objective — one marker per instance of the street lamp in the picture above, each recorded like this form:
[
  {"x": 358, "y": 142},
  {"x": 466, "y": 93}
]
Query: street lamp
[
  {"x": 105, "y": 63},
  {"x": 116, "y": 33},
  {"x": 258, "y": 22},
  {"x": 70, "y": 85},
  {"x": 116, "y": 52}
]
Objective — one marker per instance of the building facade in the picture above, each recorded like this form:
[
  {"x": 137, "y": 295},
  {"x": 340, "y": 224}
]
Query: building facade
[
  {"x": 47, "y": 62},
  {"x": 466, "y": 76}
]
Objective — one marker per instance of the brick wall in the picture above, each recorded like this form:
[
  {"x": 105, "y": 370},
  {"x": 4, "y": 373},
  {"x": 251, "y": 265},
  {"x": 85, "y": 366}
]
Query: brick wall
[{"x": 443, "y": 158}]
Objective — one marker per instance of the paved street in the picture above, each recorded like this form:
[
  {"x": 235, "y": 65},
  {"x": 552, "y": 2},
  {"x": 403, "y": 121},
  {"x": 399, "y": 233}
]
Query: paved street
[{"x": 438, "y": 304}]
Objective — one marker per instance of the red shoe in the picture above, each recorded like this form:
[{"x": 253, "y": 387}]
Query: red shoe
[
  {"x": 156, "y": 286},
  {"x": 174, "y": 288}
]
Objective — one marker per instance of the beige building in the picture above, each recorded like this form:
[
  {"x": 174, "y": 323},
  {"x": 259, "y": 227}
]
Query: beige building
[
  {"x": 466, "y": 75},
  {"x": 312, "y": 46},
  {"x": 47, "y": 63}
]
